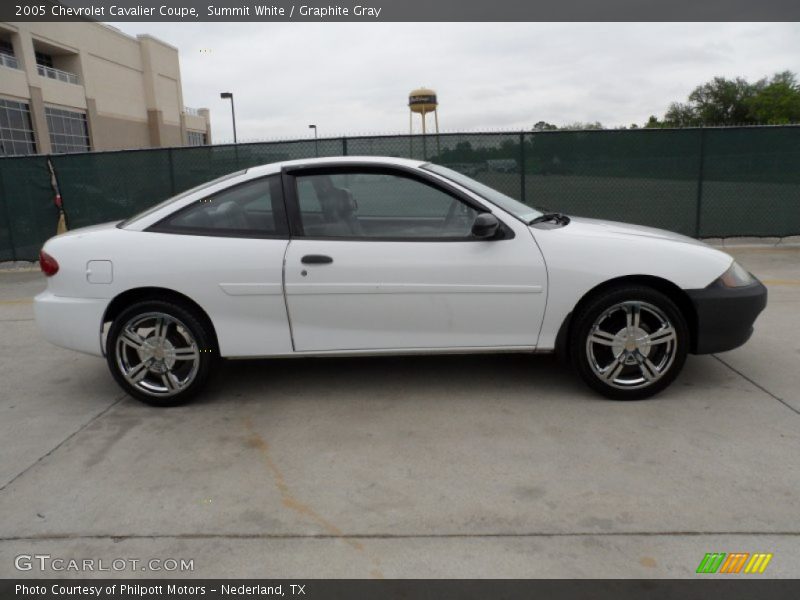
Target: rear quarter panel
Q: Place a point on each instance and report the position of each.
(236, 281)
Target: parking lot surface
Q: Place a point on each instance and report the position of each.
(454, 466)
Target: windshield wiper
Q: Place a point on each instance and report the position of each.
(553, 216)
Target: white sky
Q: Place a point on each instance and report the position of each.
(354, 78)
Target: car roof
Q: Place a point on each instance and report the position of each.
(143, 220)
(275, 167)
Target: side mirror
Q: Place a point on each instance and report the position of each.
(485, 225)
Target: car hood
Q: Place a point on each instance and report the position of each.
(588, 252)
(603, 228)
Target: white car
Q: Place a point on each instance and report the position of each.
(365, 256)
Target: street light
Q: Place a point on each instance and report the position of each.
(316, 143)
(225, 95)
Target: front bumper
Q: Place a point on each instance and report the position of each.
(725, 315)
(73, 323)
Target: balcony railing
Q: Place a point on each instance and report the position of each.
(194, 112)
(57, 74)
(9, 61)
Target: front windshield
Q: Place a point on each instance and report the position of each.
(161, 205)
(522, 211)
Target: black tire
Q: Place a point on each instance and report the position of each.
(182, 374)
(630, 352)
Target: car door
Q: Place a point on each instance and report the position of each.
(383, 259)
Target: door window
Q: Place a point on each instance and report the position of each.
(380, 205)
(252, 209)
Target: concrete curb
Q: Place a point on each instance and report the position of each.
(18, 266)
(790, 241)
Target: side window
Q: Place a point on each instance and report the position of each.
(379, 205)
(252, 209)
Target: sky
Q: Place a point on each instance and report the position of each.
(354, 78)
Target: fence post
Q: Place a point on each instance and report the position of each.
(344, 146)
(700, 169)
(171, 172)
(522, 166)
(7, 216)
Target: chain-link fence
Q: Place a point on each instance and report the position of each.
(710, 182)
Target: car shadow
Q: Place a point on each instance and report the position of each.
(481, 376)
(394, 376)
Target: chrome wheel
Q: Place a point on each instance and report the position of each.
(157, 354)
(631, 345)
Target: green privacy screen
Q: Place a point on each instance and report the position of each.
(27, 214)
(710, 182)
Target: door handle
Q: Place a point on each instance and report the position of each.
(316, 259)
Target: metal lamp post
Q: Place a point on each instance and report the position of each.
(316, 143)
(229, 95)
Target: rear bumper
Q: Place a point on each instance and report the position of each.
(73, 323)
(725, 315)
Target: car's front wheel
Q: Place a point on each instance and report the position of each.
(629, 342)
(160, 352)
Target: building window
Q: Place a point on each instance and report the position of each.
(44, 60)
(196, 138)
(16, 129)
(68, 130)
(45, 68)
(7, 58)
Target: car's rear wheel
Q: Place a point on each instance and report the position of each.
(629, 342)
(160, 352)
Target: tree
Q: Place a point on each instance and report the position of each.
(681, 115)
(580, 125)
(724, 101)
(544, 126)
(654, 123)
(777, 101)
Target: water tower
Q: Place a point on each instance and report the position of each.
(423, 102)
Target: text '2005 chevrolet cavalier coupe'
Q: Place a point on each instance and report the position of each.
(365, 256)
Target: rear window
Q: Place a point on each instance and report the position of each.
(250, 209)
(188, 192)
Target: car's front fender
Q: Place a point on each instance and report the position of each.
(583, 256)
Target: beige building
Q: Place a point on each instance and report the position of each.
(73, 87)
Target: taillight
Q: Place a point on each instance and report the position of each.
(48, 264)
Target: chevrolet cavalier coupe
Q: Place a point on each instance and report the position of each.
(365, 256)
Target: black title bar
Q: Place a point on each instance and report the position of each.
(192, 11)
(708, 588)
